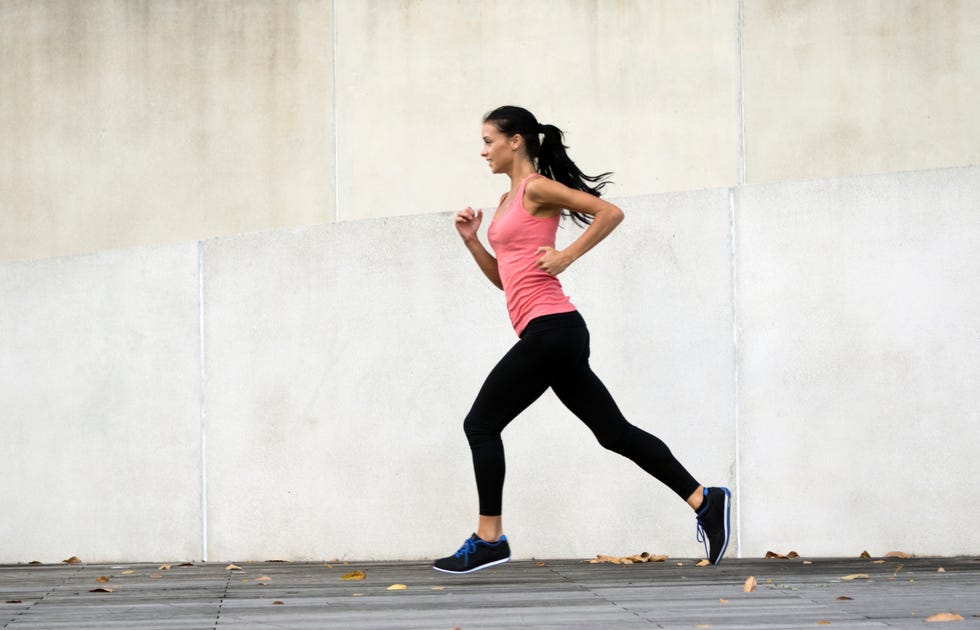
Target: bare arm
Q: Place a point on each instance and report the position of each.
(467, 224)
(544, 196)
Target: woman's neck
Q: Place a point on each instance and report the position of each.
(519, 173)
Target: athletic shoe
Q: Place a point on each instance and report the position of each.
(714, 522)
(475, 554)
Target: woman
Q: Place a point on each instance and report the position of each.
(553, 346)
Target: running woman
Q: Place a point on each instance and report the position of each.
(553, 346)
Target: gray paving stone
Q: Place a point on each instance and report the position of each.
(559, 594)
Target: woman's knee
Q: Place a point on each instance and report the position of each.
(478, 428)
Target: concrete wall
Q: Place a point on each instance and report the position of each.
(129, 122)
(298, 394)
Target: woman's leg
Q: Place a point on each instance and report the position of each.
(514, 383)
(584, 394)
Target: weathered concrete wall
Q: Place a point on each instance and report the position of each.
(150, 121)
(140, 122)
(100, 403)
(811, 344)
(858, 312)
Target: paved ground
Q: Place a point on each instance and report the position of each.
(897, 593)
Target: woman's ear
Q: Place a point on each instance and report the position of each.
(516, 141)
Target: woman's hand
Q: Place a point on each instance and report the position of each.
(468, 222)
(553, 262)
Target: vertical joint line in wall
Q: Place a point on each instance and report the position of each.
(202, 403)
(333, 113)
(741, 97)
(735, 384)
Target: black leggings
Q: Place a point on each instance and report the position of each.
(553, 351)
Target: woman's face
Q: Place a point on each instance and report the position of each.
(498, 150)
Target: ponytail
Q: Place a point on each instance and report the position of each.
(546, 148)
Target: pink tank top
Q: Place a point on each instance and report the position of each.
(515, 237)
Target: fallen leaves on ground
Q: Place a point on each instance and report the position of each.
(14, 601)
(865, 555)
(635, 559)
(703, 563)
(102, 589)
(353, 576)
(277, 603)
(898, 554)
(397, 587)
(946, 616)
(845, 598)
(233, 567)
(127, 572)
(778, 556)
(940, 570)
(856, 576)
(750, 584)
(163, 567)
(102, 579)
(539, 564)
(72, 560)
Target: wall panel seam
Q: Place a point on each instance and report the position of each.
(202, 402)
(735, 375)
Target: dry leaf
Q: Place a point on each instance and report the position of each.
(940, 570)
(353, 576)
(856, 576)
(277, 603)
(14, 601)
(438, 588)
(823, 622)
(634, 559)
(102, 579)
(878, 562)
(186, 564)
(127, 572)
(900, 567)
(722, 601)
(102, 589)
(539, 564)
(703, 563)
(154, 576)
(233, 567)
(779, 556)
(164, 567)
(397, 587)
(703, 625)
(35, 562)
(263, 578)
(750, 584)
(865, 555)
(845, 598)
(946, 616)
(72, 560)
(898, 554)
(329, 566)
(357, 594)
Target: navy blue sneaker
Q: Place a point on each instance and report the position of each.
(715, 523)
(475, 554)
